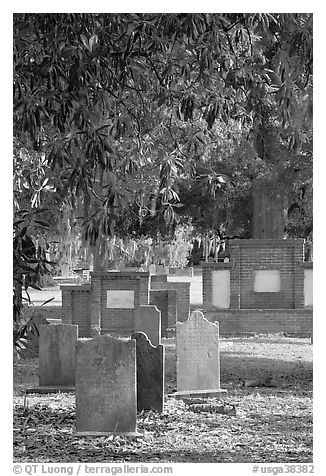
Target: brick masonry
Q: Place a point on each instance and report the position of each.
(159, 298)
(261, 312)
(166, 301)
(262, 321)
(249, 256)
(116, 321)
(86, 305)
(161, 282)
(76, 307)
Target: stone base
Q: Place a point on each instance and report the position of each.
(51, 389)
(208, 393)
(95, 434)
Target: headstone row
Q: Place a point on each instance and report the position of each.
(115, 378)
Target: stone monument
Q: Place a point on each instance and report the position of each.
(150, 374)
(198, 360)
(106, 386)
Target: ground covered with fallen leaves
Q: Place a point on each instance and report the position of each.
(271, 424)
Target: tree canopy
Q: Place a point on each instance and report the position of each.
(124, 115)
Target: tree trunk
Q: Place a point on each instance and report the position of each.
(269, 213)
(99, 254)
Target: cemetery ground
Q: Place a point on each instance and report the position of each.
(271, 424)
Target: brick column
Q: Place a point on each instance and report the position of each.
(183, 300)
(172, 308)
(298, 257)
(66, 305)
(235, 277)
(144, 281)
(207, 286)
(95, 305)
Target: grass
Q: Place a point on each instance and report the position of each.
(272, 424)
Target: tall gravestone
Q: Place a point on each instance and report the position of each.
(57, 358)
(148, 320)
(106, 386)
(150, 374)
(198, 360)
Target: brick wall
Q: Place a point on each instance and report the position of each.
(76, 307)
(117, 321)
(249, 256)
(161, 282)
(236, 322)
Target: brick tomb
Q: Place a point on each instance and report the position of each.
(265, 287)
(108, 305)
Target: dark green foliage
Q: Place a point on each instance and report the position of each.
(123, 108)
(30, 265)
(101, 91)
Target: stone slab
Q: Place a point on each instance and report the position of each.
(116, 299)
(200, 393)
(61, 389)
(150, 374)
(148, 320)
(198, 360)
(96, 434)
(57, 357)
(105, 386)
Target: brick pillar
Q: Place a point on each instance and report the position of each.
(66, 305)
(183, 300)
(235, 277)
(298, 257)
(95, 305)
(144, 290)
(172, 308)
(207, 286)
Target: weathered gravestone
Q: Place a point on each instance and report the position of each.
(150, 374)
(57, 358)
(198, 360)
(106, 386)
(148, 320)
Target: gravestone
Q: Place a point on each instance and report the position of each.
(198, 360)
(148, 320)
(57, 358)
(105, 386)
(150, 374)
(159, 298)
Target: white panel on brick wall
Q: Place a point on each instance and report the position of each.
(120, 299)
(308, 294)
(267, 281)
(221, 289)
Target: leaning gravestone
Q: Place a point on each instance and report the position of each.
(148, 320)
(198, 360)
(105, 386)
(57, 359)
(150, 374)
